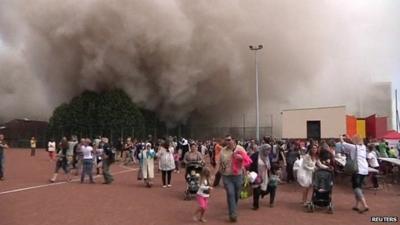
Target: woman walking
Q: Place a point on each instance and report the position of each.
(166, 163)
(306, 171)
(192, 156)
(146, 159)
(260, 165)
(358, 152)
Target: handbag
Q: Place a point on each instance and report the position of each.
(351, 166)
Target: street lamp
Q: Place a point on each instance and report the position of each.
(255, 49)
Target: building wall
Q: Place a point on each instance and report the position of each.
(333, 121)
(351, 125)
(361, 128)
(381, 126)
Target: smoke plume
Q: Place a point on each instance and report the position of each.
(183, 58)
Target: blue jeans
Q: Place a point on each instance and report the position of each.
(233, 186)
(87, 169)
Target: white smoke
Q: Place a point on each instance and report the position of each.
(182, 57)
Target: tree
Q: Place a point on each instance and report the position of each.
(90, 114)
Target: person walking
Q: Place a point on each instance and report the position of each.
(51, 147)
(33, 146)
(146, 160)
(292, 155)
(3, 145)
(166, 163)
(70, 152)
(192, 156)
(358, 152)
(372, 157)
(62, 161)
(128, 148)
(261, 165)
(79, 155)
(108, 159)
(306, 171)
(217, 156)
(87, 152)
(233, 161)
(202, 196)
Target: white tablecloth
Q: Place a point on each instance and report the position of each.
(391, 160)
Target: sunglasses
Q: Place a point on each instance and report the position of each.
(228, 139)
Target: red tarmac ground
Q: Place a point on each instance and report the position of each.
(127, 201)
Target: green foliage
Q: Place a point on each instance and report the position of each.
(110, 113)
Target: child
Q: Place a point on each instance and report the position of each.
(272, 185)
(202, 195)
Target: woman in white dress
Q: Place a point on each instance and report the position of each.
(146, 157)
(306, 171)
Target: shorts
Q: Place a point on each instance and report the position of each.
(203, 202)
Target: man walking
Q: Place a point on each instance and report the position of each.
(233, 160)
(108, 159)
(33, 146)
(3, 146)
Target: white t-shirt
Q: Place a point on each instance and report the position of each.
(71, 145)
(87, 152)
(361, 156)
(204, 189)
(51, 146)
(373, 159)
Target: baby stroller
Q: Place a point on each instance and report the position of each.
(192, 178)
(322, 190)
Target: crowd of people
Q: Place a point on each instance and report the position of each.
(262, 165)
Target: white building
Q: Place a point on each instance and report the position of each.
(327, 122)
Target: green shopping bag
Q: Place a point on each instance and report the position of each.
(246, 191)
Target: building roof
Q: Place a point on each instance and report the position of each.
(326, 107)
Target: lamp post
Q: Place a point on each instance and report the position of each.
(255, 49)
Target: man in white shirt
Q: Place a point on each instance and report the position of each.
(372, 157)
(3, 146)
(70, 151)
(87, 152)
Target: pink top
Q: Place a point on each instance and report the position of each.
(240, 160)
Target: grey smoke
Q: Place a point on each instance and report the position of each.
(184, 58)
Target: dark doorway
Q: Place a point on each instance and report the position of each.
(314, 129)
